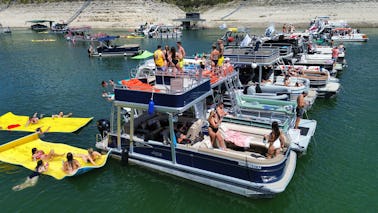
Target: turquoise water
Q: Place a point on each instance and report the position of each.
(338, 174)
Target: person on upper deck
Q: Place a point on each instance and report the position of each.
(214, 57)
(159, 58)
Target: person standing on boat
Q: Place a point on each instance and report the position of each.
(300, 108)
(214, 57)
(221, 52)
(181, 53)
(284, 29)
(159, 58)
(276, 140)
(174, 59)
(216, 138)
(335, 53)
(166, 52)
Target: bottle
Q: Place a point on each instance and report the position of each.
(151, 106)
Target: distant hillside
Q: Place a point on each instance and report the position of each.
(198, 4)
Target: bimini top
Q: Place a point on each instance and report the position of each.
(12, 122)
(18, 152)
(39, 21)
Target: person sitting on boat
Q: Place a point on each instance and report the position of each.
(38, 154)
(300, 108)
(159, 58)
(71, 165)
(216, 138)
(91, 157)
(276, 140)
(32, 179)
(180, 134)
(287, 80)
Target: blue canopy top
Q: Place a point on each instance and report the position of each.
(107, 38)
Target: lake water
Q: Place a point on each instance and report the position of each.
(338, 173)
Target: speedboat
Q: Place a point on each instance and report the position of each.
(106, 48)
(348, 34)
(162, 31)
(149, 140)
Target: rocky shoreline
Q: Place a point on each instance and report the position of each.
(130, 14)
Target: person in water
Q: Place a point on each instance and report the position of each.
(276, 140)
(71, 165)
(91, 157)
(38, 154)
(32, 179)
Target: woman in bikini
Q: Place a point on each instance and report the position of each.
(91, 157)
(71, 165)
(174, 59)
(38, 154)
(276, 140)
(215, 135)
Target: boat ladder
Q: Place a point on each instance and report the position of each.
(231, 84)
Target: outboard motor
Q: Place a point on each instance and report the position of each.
(103, 126)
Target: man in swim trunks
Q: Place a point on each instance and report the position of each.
(300, 108)
(214, 56)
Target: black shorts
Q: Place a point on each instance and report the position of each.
(300, 112)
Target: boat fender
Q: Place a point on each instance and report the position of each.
(245, 91)
(151, 106)
(258, 88)
(124, 157)
(124, 54)
(100, 54)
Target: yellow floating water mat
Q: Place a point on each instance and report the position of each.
(12, 122)
(18, 152)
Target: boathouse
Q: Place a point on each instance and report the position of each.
(191, 21)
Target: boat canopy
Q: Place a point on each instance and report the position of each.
(40, 21)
